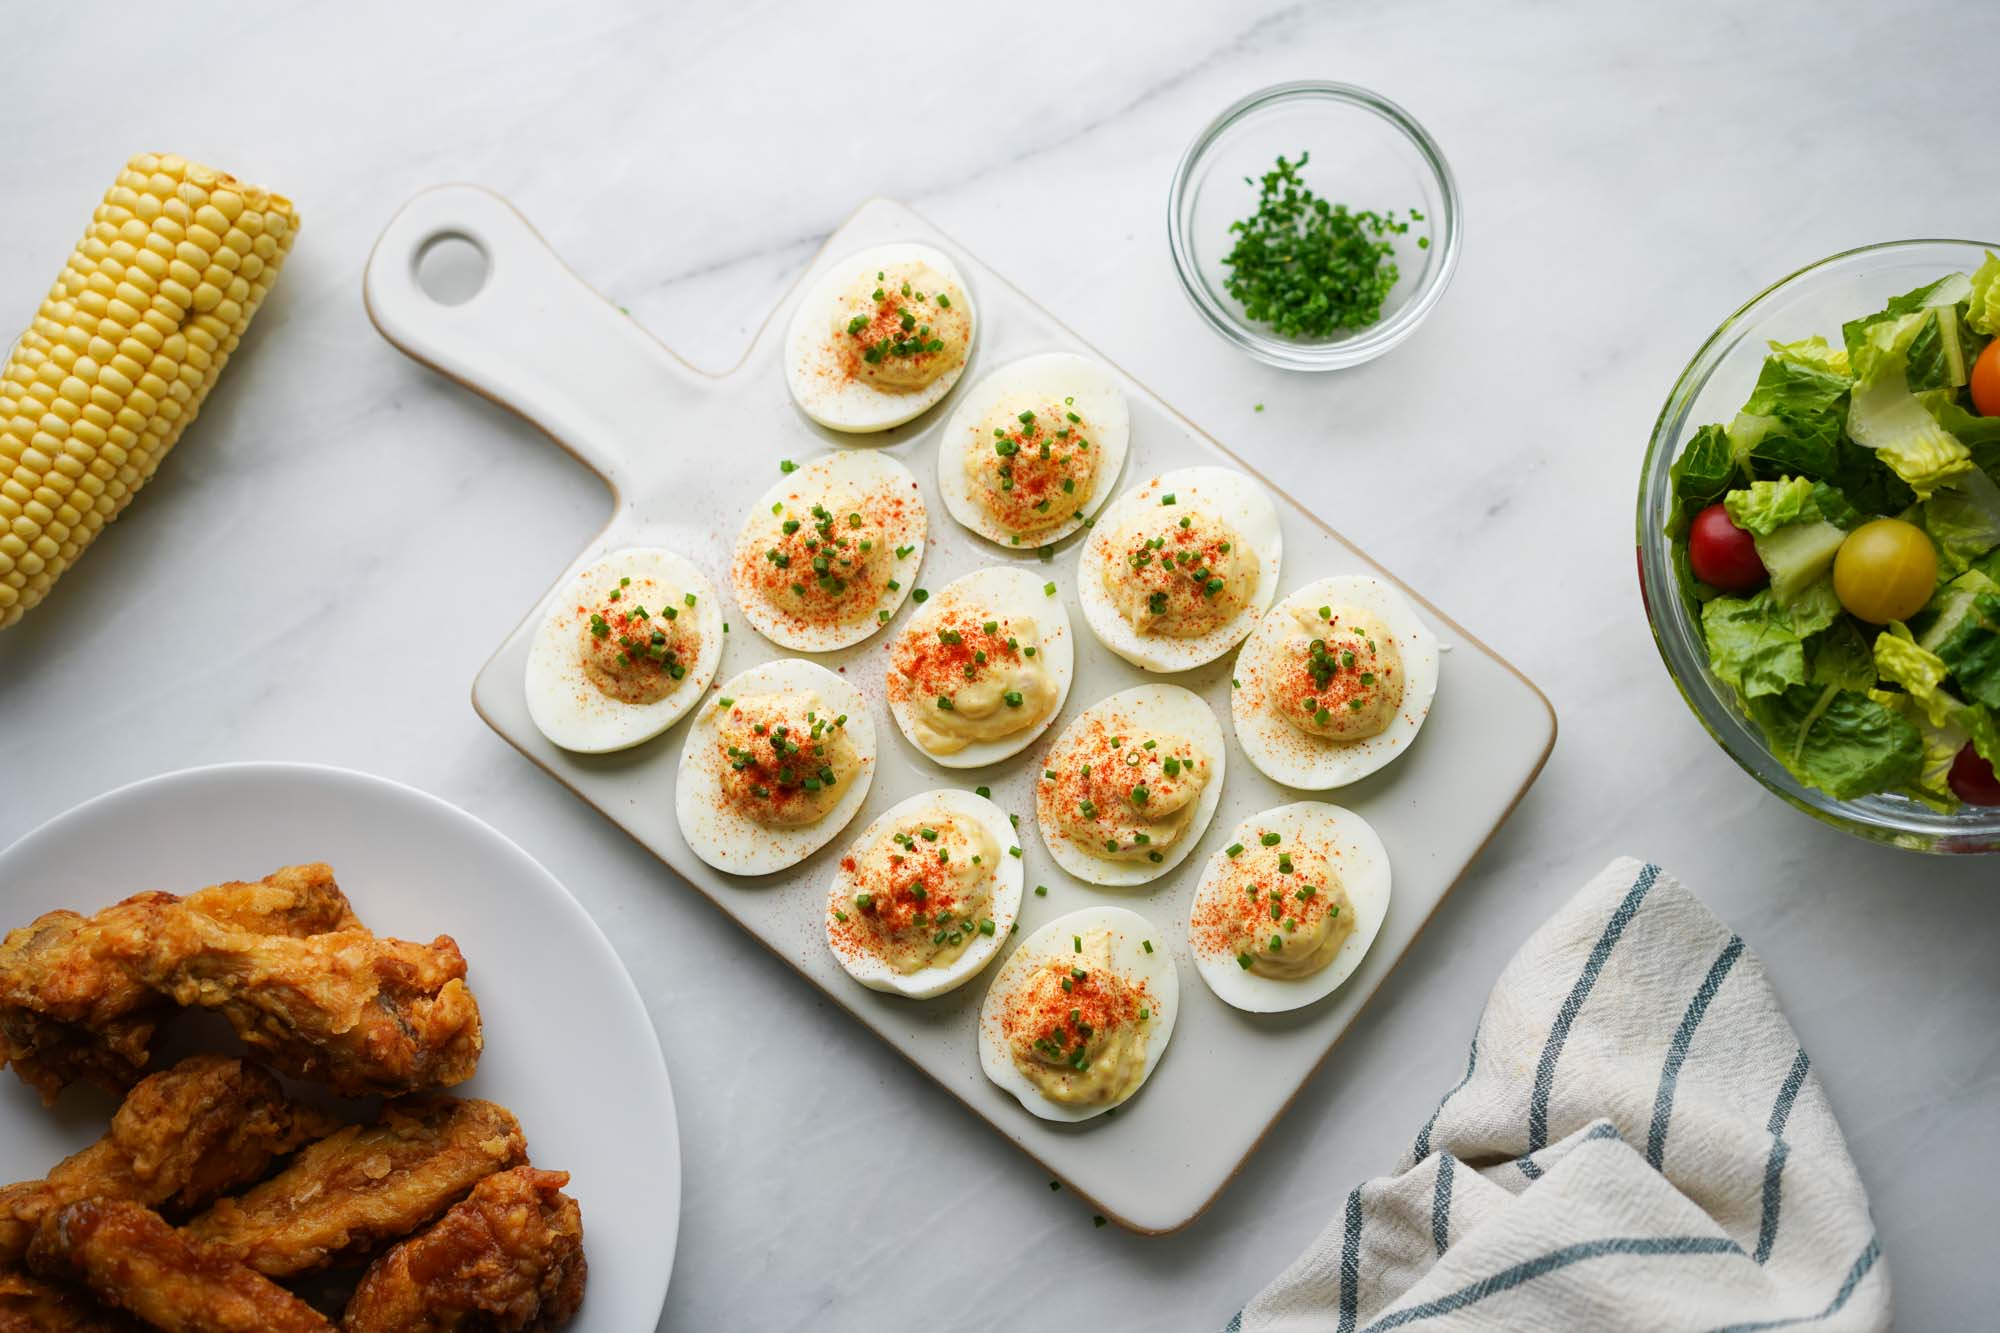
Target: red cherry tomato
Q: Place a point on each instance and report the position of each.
(1973, 778)
(1985, 384)
(1721, 554)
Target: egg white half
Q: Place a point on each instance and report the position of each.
(1005, 593)
(812, 366)
(733, 842)
(1229, 495)
(869, 969)
(1283, 753)
(1129, 934)
(1052, 377)
(804, 487)
(570, 710)
(1353, 849)
(1168, 709)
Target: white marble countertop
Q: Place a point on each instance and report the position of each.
(1629, 178)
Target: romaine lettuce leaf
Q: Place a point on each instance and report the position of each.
(1793, 419)
(1839, 657)
(1763, 507)
(1703, 473)
(1841, 741)
(1972, 650)
(1797, 556)
(1984, 728)
(1899, 660)
(1983, 304)
(1834, 507)
(1950, 604)
(1979, 434)
(1814, 610)
(1942, 740)
(1885, 416)
(1963, 519)
(1868, 483)
(1751, 646)
(1816, 353)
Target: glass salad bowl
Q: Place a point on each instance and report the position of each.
(1814, 300)
(1366, 152)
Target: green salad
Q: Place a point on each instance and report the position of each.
(1839, 542)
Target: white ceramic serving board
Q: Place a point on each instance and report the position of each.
(686, 453)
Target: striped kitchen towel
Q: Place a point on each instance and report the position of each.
(1638, 1143)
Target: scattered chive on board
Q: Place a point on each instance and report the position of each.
(1309, 268)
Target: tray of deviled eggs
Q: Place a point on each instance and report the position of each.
(1024, 720)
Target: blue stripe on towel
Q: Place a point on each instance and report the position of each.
(1606, 1130)
(1350, 1264)
(1862, 1263)
(1545, 1072)
(1677, 1049)
(1441, 1203)
(1509, 1278)
(1774, 1168)
(1423, 1145)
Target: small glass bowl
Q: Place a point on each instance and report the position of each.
(1367, 153)
(1816, 299)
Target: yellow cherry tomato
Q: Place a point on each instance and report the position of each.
(1885, 570)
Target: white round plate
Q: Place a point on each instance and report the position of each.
(569, 1046)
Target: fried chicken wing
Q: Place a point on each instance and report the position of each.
(181, 1139)
(360, 1014)
(508, 1259)
(74, 1005)
(30, 1305)
(71, 1006)
(130, 1258)
(352, 1192)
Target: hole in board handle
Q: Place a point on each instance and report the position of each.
(451, 268)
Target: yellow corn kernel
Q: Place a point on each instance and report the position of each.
(132, 336)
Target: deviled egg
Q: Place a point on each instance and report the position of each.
(925, 896)
(1333, 683)
(828, 553)
(1285, 911)
(982, 668)
(627, 647)
(880, 337)
(1078, 1017)
(1129, 787)
(1034, 449)
(1178, 570)
(775, 765)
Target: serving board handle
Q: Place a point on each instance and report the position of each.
(533, 337)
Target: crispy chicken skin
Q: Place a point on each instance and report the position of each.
(73, 1003)
(508, 1259)
(130, 1258)
(182, 1139)
(71, 1007)
(30, 1305)
(360, 1014)
(356, 1190)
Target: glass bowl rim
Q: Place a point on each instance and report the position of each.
(1447, 230)
(1900, 822)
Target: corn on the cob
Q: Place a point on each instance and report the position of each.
(133, 335)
